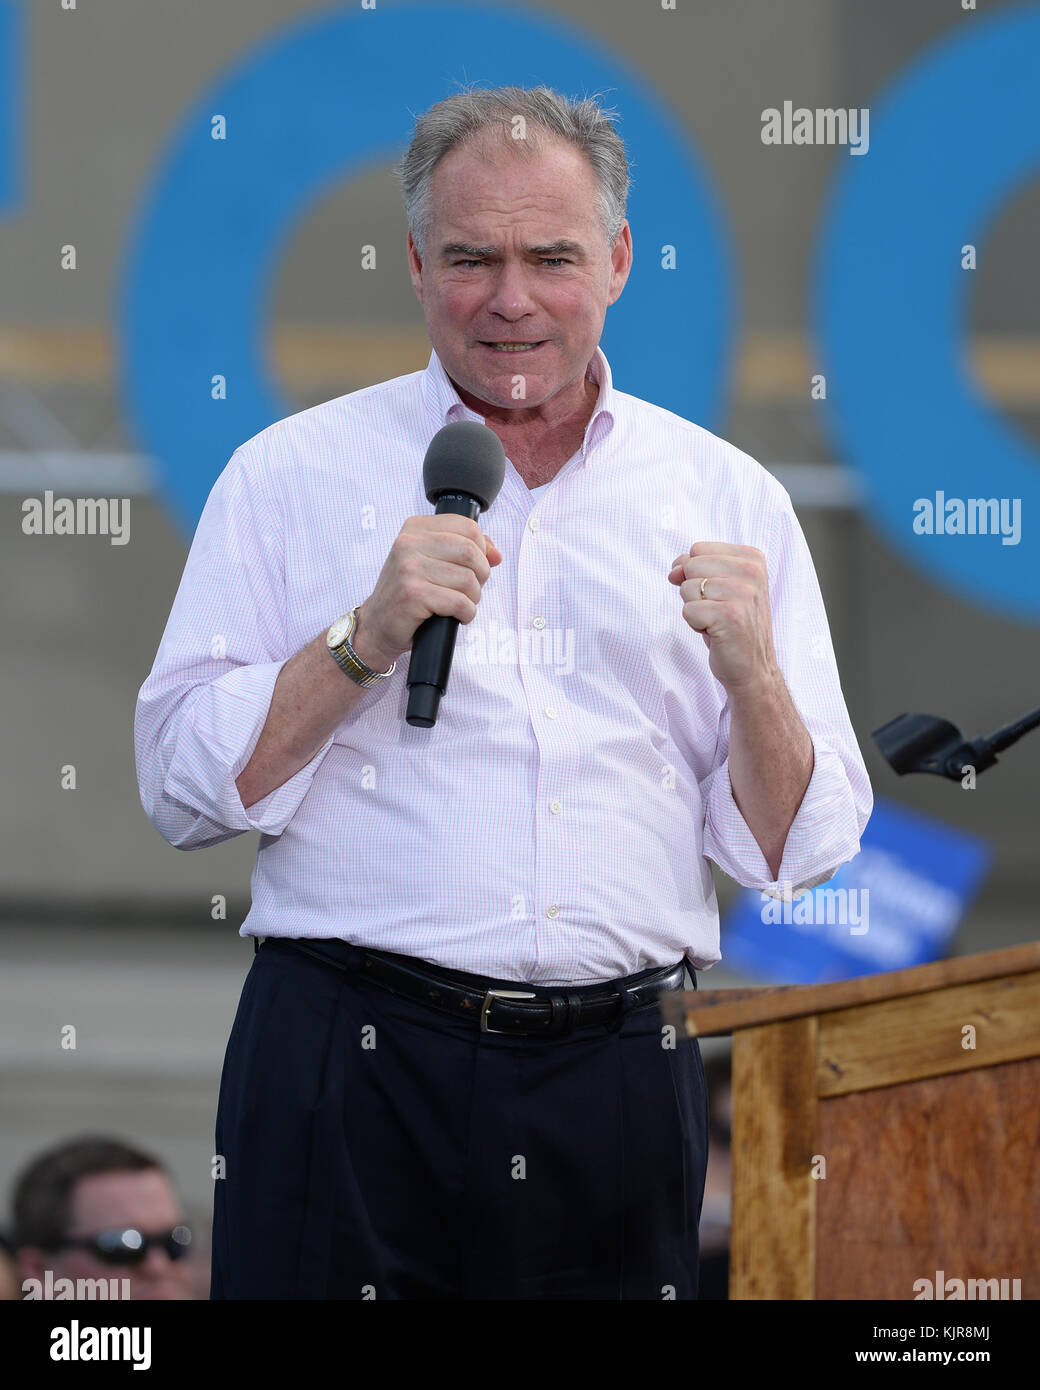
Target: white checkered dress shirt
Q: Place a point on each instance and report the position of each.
(555, 826)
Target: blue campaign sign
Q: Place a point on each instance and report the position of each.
(12, 142)
(897, 904)
(951, 143)
(325, 100)
(329, 97)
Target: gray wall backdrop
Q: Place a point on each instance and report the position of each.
(83, 618)
(86, 881)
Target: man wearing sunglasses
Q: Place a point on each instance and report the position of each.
(96, 1209)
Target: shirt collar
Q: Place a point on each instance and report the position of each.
(444, 405)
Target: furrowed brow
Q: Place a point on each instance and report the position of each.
(561, 247)
(558, 248)
(462, 248)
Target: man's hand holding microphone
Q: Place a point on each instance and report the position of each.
(438, 565)
(431, 581)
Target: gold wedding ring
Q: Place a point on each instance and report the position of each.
(703, 582)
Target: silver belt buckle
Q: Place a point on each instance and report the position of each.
(499, 994)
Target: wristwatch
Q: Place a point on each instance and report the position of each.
(338, 640)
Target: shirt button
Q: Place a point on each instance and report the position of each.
(549, 712)
(533, 524)
(552, 910)
(539, 623)
(556, 807)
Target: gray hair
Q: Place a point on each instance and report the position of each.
(585, 124)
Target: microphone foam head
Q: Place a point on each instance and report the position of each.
(465, 457)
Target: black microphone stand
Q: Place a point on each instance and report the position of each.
(926, 743)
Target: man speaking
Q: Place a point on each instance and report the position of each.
(447, 1076)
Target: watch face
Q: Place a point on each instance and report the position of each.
(340, 630)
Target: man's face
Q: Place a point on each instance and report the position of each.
(516, 253)
(115, 1201)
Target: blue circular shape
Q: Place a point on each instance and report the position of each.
(950, 143)
(320, 103)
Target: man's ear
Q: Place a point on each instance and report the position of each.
(415, 268)
(620, 262)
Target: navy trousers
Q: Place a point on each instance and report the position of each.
(376, 1148)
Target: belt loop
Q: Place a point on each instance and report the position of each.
(627, 1003)
(574, 1011)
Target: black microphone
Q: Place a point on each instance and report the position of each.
(463, 473)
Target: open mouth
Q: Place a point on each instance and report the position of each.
(515, 346)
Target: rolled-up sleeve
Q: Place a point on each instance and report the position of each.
(834, 811)
(201, 711)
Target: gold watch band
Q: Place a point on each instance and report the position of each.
(351, 664)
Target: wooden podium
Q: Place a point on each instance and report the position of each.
(886, 1130)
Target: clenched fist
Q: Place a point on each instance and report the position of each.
(733, 615)
(437, 564)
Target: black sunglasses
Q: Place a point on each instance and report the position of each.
(130, 1246)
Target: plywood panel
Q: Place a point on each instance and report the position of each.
(924, 1035)
(774, 1122)
(706, 1012)
(934, 1175)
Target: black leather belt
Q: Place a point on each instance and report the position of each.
(497, 1006)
